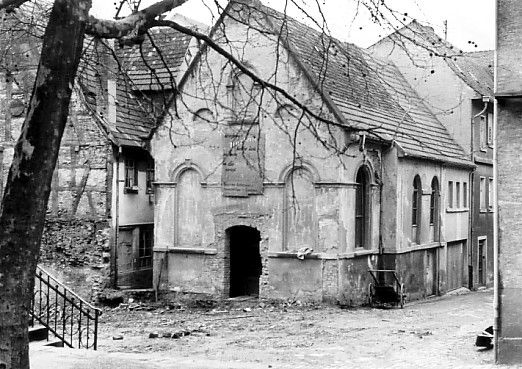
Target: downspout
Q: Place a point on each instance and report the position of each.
(117, 216)
(439, 229)
(472, 191)
(496, 272)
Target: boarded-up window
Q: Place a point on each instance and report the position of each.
(189, 206)
(299, 211)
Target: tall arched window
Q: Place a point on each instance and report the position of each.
(434, 209)
(300, 215)
(416, 208)
(362, 208)
(190, 204)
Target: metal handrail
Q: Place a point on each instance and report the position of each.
(69, 317)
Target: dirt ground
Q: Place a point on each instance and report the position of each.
(250, 334)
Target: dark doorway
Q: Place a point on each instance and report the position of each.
(245, 261)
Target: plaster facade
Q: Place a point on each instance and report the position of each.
(424, 60)
(195, 210)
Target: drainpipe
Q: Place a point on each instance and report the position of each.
(496, 273)
(471, 191)
(116, 216)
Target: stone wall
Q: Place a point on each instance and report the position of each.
(77, 252)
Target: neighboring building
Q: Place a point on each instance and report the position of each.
(244, 207)
(102, 193)
(457, 87)
(508, 92)
(126, 97)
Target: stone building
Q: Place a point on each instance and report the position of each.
(256, 196)
(457, 87)
(508, 92)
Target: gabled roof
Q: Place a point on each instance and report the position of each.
(368, 94)
(149, 69)
(146, 74)
(474, 69)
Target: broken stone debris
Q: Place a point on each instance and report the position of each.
(176, 335)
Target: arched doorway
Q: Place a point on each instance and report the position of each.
(245, 260)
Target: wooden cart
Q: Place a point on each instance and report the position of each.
(386, 288)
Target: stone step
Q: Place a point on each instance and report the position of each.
(38, 333)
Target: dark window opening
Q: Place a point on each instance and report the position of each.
(416, 209)
(434, 201)
(362, 205)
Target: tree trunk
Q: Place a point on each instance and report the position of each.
(28, 184)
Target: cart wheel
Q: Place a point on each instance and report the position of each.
(370, 294)
(402, 296)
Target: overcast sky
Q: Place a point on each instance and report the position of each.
(468, 20)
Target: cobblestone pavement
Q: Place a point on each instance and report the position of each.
(436, 333)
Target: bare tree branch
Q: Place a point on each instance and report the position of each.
(131, 26)
(10, 5)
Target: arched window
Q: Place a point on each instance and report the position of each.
(299, 210)
(244, 96)
(434, 209)
(416, 208)
(362, 208)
